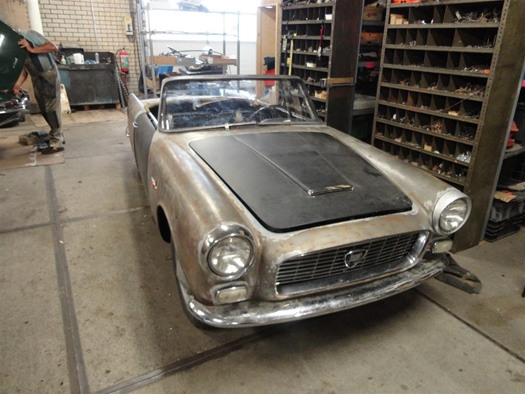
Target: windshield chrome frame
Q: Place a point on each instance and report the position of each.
(232, 78)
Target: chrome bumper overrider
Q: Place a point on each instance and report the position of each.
(251, 313)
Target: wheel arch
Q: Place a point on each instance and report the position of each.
(163, 224)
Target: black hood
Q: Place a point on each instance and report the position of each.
(296, 180)
(12, 57)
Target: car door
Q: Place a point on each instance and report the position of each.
(142, 128)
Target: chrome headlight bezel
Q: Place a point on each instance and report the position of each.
(447, 202)
(218, 237)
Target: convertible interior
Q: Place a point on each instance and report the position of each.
(217, 111)
(205, 104)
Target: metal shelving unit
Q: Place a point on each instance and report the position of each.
(450, 72)
(147, 34)
(319, 43)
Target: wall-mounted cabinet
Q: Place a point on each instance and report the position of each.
(449, 68)
(320, 43)
(369, 61)
(268, 33)
(268, 39)
(370, 44)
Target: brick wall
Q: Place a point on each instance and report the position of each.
(94, 25)
(98, 26)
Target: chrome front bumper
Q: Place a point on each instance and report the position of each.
(251, 313)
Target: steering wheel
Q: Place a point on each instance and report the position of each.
(270, 112)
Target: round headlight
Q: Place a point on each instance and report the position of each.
(451, 212)
(230, 256)
(453, 216)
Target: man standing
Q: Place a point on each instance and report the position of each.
(42, 68)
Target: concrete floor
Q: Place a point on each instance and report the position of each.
(89, 302)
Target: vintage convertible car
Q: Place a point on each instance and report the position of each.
(272, 215)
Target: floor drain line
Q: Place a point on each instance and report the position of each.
(75, 360)
(186, 363)
(472, 327)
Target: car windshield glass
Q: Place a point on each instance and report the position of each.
(224, 102)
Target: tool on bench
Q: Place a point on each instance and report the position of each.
(320, 48)
(289, 60)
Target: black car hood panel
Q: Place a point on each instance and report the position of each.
(295, 180)
(12, 57)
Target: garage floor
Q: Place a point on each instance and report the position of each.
(89, 302)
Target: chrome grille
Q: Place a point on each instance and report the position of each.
(366, 259)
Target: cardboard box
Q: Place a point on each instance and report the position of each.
(373, 13)
(149, 83)
(218, 59)
(397, 19)
(371, 38)
(28, 139)
(163, 59)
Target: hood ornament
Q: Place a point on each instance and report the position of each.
(330, 189)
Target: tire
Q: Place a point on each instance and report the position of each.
(9, 120)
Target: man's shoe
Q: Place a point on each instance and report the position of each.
(51, 149)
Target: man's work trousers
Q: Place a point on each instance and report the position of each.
(46, 85)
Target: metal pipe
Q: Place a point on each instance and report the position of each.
(142, 48)
(224, 34)
(152, 59)
(238, 43)
(94, 22)
(35, 19)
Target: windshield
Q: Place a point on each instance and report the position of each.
(224, 102)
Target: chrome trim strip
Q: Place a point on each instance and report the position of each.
(258, 313)
(330, 189)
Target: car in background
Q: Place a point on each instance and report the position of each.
(273, 216)
(12, 59)
(192, 5)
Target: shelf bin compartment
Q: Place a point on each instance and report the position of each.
(477, 63)
(396, 76)
(413, 99)
(435, 59)
(415, 79)
(421, 37)
(411, 38)
(469, 13)
(440, 37)
(466, 131)
(438, 103)
(391, 37)
(466, 38)
(413, 58)
(401, 36)
(421, 15)
(385, 94)
(430, 81)
(422, 121)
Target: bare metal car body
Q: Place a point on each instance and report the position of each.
(250, 178)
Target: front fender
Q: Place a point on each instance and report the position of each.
(195, 202)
